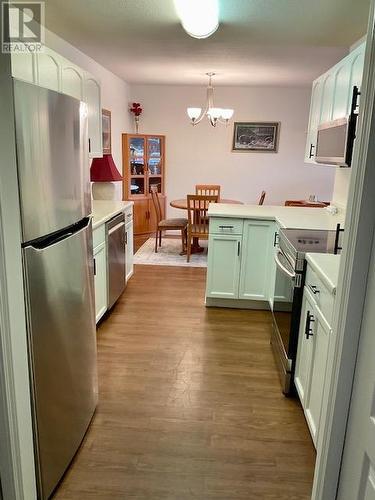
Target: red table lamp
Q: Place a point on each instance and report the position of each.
(103, 173)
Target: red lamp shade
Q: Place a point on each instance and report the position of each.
(104, 170)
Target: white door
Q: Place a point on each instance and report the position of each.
(357, 478)
(100, 280)
(93, 96)
(256, 260)
(314, 120)
(224, 253)
(314, 400)
(306, 345)
(129, 250)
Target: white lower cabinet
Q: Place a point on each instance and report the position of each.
(312, 352)
(101, 261)
(257, 253)
(100, 279)
(129, 249)
(314, 401)
(240, 253)
(223, 271)
(306, 345)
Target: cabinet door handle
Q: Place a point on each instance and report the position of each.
(308, 330)
(94, 266)
(126, 237)
(89, 145)
(276, 239)
(314, 289)
(311, 154)
(238, 248)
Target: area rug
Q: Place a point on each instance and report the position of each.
(169, 254)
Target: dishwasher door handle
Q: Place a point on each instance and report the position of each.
(115, 228)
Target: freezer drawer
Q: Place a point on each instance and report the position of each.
(52, 160)
(62, 347)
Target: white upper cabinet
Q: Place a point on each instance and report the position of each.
(331, 95)
(314, 120)
(342, 92)
(51, 70)
(92, 98)
(48, 70)
(328, 95)
(72, 81)
(23, 67)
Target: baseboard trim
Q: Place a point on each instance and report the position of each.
(238, 304)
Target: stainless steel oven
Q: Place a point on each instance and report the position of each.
(287, 298)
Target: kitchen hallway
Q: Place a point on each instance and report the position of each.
(190, 405)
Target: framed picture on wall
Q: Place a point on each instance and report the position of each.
(256, 136)
(106, 131)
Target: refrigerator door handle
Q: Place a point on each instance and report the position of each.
(52, 239)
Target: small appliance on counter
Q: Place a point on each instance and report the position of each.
(293, 244)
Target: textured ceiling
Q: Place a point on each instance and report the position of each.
(273, 42)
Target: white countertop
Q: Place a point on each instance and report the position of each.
(327, 267)
(287, 217)
(103, 210)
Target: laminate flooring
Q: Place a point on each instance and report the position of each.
(190, 405)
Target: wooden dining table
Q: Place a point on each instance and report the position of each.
(182, 204)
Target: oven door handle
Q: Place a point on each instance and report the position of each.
(286, 271)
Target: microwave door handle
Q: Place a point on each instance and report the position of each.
(286, 271)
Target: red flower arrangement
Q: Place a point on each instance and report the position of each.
(136, 110)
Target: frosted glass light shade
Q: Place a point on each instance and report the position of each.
(215, 112)
(193, 113)
(199, 18)
(227, 114)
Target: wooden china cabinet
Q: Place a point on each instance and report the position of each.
(143, 159)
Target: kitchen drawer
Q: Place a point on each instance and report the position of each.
(225, 225)
(323, 297)
(98, 235)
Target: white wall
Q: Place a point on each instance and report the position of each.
(341, 187)
(202, 154)
(115, 93)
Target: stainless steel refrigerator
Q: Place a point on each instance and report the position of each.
(54, 187)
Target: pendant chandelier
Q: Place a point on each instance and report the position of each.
(213, 114)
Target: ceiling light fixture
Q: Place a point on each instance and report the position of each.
(214, 114)
(199, 18)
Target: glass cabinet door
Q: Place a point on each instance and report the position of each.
(137, 165)
(154, 155)
(137, 155)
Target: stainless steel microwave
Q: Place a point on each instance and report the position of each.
(335, 141)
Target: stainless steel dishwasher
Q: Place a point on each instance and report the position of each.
(116, 272)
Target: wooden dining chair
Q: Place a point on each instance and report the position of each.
(261, 199)
(167, 224)
(197, 218)
(208, 190)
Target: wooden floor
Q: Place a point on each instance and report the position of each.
(190, 403)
